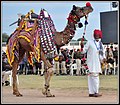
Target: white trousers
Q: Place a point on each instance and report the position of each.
(78, 62)
(56, 67)
(42, 67)
(93, 84)
(5, 75)
(63, 67)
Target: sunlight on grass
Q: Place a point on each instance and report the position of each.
(67, 82)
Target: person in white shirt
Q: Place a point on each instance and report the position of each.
(6, 70)
(95, 55)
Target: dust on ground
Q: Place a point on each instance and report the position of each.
(65, 96)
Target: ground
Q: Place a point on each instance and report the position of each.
(76, 96)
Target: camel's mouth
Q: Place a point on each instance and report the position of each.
(80, 12)
(88, 10)
(84, 11)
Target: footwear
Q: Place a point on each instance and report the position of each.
(91, 95)
(97, 95)
(41, 74)
(7, 83)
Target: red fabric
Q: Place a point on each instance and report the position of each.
(98, 32)
(83, 59)
(88, 4)
(100, 35)
(71, 18)
(86, 67)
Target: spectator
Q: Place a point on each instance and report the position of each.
(78, 62)
(115, 55)
(110, 56)
(35, 67)
(56, 65)
(107, 53)
(22, 65)
(62, 60)
(6, 70)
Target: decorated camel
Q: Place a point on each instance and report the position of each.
(36, 35)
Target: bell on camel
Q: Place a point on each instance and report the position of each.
(86, 22)
(50, 44)
(80, 25)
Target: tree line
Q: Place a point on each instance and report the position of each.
(5, 36)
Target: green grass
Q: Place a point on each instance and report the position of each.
(67, 82)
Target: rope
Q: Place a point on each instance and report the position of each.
(85, 25)
(82, 45)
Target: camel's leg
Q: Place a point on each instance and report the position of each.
(14, 72)
(47, 75)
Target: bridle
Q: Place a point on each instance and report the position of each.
(74, 18)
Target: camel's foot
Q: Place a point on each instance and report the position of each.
(44, 91)
(47, 93)
(17, 94)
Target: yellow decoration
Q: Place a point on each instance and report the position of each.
(31, 10)
(27, 15)
(12, 59)
(25, 26)
(24, 38)
(56, 58)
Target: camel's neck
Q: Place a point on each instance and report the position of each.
(64, 37)
(70, 29)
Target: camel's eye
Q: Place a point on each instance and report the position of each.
(81, 9)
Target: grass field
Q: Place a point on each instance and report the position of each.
(108, 82)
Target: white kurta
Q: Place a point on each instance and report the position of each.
(93, 60)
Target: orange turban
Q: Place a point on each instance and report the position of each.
(98, 32)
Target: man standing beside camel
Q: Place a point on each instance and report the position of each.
(95, 54)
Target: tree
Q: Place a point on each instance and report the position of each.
(81, 39)
(4, 37)
(84, 41)
(73, 40)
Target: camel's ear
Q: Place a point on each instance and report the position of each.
(74, 7)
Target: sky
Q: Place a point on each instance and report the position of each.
(58, 10)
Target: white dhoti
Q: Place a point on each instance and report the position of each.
(93, 83)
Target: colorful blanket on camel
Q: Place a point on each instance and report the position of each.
(43, 36)
(13, 46)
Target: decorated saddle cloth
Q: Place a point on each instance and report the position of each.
(43, 37)
(46, 36)
(13, 46)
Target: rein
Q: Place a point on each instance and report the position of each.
(82, 45)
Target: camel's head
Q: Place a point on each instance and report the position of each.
(80, 12)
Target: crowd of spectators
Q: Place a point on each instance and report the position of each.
(63, 65)
(112, 59)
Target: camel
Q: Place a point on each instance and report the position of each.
(24, 45)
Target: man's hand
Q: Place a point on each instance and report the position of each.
(82, 45)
